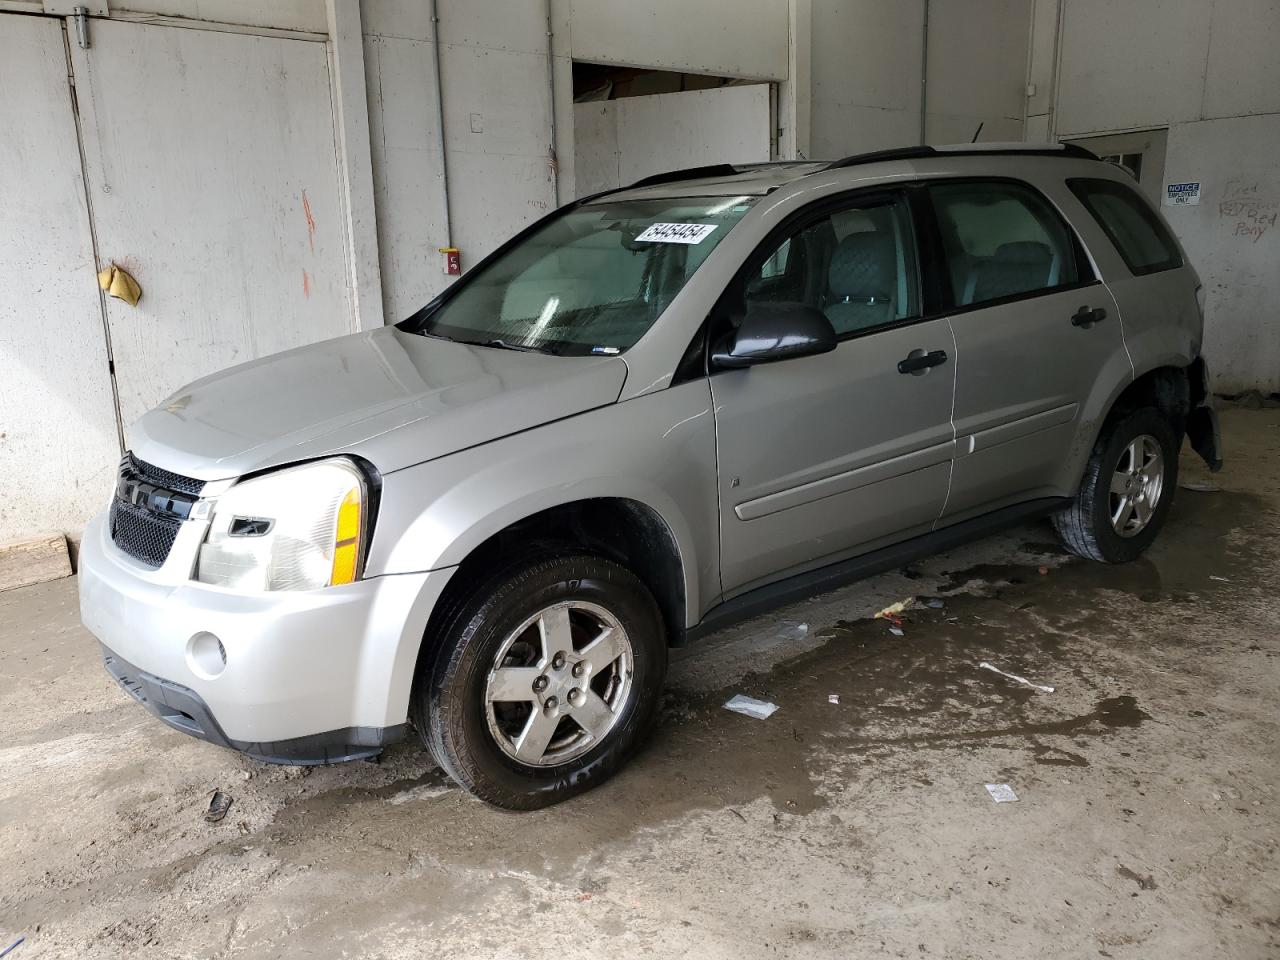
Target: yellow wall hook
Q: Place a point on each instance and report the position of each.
(120, 285)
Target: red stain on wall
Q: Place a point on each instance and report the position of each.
(306, 284)
(311, 221)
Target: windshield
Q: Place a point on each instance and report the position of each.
(592, 281)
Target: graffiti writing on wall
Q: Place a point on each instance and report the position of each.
(1251, 212)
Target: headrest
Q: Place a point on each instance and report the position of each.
(1023, 251)
(863, 265)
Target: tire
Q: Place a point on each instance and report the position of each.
(1089, 527)
(479, 743)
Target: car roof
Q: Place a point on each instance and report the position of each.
(718, 180)
(758, 179)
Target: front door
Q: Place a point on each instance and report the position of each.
(831, 455)
(1037, 337)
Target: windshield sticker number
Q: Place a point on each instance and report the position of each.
(677, 232)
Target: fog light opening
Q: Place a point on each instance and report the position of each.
(206, 656)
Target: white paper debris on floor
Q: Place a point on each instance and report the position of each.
(894, 609)
(984, 665)
(897, 631)
(1002, 793)
(427, 791)
(1214, 576)
(751, 707)
(833, 698)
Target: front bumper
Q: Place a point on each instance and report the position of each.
(183, 709)
(308, 677)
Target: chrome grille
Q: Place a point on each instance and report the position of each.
(164, 478)
(149, 507)
(143, 535)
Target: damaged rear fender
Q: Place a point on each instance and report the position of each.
(1202, 419)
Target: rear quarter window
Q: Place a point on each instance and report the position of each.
(1134, 229)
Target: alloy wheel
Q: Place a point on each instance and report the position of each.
(559, 683)
(1136, 486)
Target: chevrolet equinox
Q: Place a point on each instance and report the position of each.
(655, 411)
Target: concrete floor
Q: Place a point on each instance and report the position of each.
(1146, 826)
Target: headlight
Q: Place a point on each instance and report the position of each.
(295, 529)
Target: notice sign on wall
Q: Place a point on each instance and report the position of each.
(1181, 194)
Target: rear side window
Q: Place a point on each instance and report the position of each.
(1002, 240)
(1133, 227)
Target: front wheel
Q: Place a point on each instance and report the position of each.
(545, 682)
(1126, 491)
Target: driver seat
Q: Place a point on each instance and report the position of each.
(860, 278)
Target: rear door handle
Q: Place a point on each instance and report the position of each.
(918, 362)
(1085, 317)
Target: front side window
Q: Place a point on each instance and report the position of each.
(1131, 226)
(592, 281)
(857, 265)
(1001, 240)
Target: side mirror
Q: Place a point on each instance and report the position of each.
(775, 331)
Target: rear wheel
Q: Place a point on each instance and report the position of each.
(1126, 491)
(545, 682)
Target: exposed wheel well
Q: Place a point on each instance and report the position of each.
(625, 531)
(1168, 389)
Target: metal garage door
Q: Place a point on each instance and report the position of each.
(58, 441)
(620, 141)
(213, 176)
(210, 172)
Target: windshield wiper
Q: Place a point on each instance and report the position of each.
(503, 345)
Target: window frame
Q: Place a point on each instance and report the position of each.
(1078, 187)
(939, 267)
(732, 299)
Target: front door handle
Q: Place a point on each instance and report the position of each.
(1084, 317)
(918, 362)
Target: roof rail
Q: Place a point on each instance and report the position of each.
(690, 173)
(922, 152)
(1075, 150)
(879, 156)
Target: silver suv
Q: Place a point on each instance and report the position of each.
(657, 410)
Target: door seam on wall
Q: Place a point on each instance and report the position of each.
(93, 233)
(344, 196)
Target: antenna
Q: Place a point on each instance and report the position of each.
(978, 131)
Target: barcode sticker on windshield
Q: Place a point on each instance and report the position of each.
(677, 232)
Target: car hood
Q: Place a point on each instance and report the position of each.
(392, 397)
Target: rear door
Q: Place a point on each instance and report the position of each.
(1038, 342)
(828, 456)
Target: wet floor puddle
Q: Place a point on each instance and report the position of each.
(919, 692)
